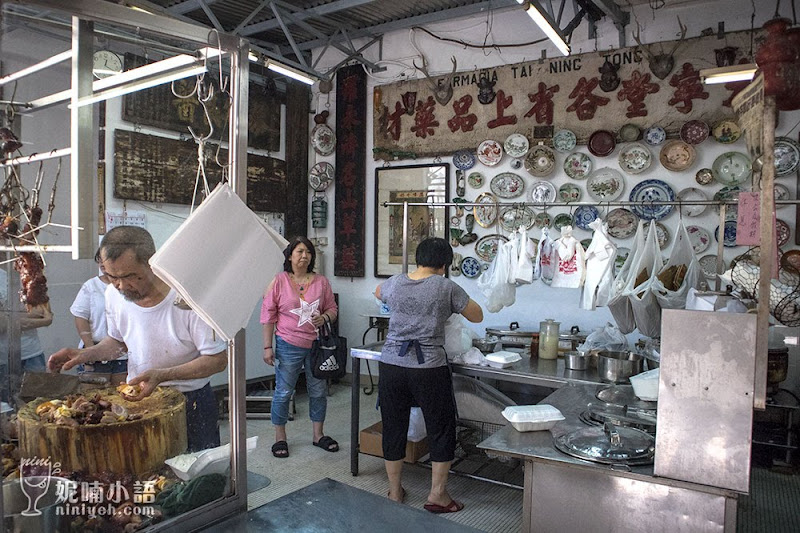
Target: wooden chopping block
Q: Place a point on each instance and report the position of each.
(137, 447)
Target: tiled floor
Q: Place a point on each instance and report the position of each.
(772, 505)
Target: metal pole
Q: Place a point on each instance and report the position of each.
(405, 237)
(82, 141)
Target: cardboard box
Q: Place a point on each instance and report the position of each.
(371, 442)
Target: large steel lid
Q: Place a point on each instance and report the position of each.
(512, 330)
(608, 444)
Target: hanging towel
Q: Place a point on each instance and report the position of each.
(600, 257)
(570, 261)
(220, 260)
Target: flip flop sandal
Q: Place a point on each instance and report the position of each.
(453, 507)
(280, 449)
(402, 495)
(327, 444)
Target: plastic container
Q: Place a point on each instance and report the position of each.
(548, 339)
(212, 461)
(502, 359)
(645, 385)
(532, 417)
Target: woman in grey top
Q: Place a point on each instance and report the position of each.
(413, 367)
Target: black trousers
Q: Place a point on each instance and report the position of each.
(431, 389)
(202, 419)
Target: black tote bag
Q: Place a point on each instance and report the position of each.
(328, 354)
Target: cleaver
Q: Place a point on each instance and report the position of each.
(47, 385)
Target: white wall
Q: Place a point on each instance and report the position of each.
(535, 302)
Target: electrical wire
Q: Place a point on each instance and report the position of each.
(471, 45)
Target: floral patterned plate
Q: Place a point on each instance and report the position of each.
(605, 184)
(486, 216)
(516, 145)
(677, 156)
(783, 231)
(708, 263)
(490, 152)
(621, 223)
(507, 185)
(564, 141)
(699, 238)
(726, 132)
(486, 247)
(512, 217)
(655, 135)
(692, 194)
(540, 161)
(694, 132)
(704, 176)
(787, 156)
(561, 220)
(569, 192)
(662, 235)
(470, 267)
(728, 193)
(647, 193)
(464, 159)
(729, 235)
(542, 192)
(731, 168)
(635, 158)
(543, 220)
(584, 215)
(578, 166)
(781, 193)
(323, 140)
(475, 180)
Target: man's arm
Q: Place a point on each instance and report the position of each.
(84, 329)
(105, 350)
(202, 367)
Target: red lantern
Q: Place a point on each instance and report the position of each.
(777, 59)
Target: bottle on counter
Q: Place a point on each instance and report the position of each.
(548, 339)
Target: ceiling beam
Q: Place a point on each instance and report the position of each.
(314, 12)
(620, 17)
(420, 20)
(188, 6)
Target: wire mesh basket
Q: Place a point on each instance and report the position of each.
(784, 291)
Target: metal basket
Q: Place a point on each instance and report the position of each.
(784, 291)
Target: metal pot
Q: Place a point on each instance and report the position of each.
(617, 367)
(576, 361)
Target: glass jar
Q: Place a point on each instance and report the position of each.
(548, 339)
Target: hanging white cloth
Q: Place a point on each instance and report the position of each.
(523, 273)
(512, 248)
(545, 258)
(225, 242)
(600, 258)
(570, 261)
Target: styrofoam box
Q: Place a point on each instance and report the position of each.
(532, 417)
(645, 385)
(502, 359)
(212, 461)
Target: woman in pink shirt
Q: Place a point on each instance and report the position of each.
(296, 303)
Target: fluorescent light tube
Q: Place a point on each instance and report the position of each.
(143, 84)
(287, 71)
(728, 74)
(548, 28)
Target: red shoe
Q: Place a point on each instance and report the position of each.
(452, 507)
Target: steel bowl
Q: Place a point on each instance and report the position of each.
(576, 361)
(651, 363)
(617, 367)
(485, 345)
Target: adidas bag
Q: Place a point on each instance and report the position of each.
(328, 354)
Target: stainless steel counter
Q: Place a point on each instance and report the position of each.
(563, 493)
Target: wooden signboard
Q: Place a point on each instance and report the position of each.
(149, 168)
(160, 108)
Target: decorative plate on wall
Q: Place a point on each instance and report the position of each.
(490, 152)
(323, 140)
(486, 247)
(729, 234)
(320, 176)
(578, 166)
(464, 159)
(647, 193)
(709, 265)
(726, 194)
(584, 215)
(621, 223)
(516, 145)
(655, 135)
(601, 143)
(726, 132)
(787, 156)
(564, 141)
(543, 220)
(486, 216)
(694, 132)
(542, 192)
(677, 156)
(507, 185)
(732, 168)
(561, 220)
(692, 194)
(605, 184)
(622, 256)
(699, 238)
(635, 158)
(475, 180)
(470, 267)
(512, 217)
(781, 193)
(662, 235)
(630, 133)
(783, 232)
(569, 192)
(704, 176)
(540, 161)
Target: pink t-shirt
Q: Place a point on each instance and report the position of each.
(283, 307)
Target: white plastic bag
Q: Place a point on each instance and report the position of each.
(682, 254)
(416, 425)
(606, 338)
(645, 306)
(523, 272)
(545, 258)
(570, 260)
(494, 282)
(600, 258)
(457, 337)
(618, 304)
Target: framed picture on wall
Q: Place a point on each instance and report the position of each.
(413, 184)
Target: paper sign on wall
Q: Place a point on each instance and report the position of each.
(748, 231)
(125, 218)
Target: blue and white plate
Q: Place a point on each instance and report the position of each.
(470, 267)
(729, 238)
(655, 135)
(584, 215)
(464, 159)
(647, 193)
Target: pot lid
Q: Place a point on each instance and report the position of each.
(623, 395)
(623, 415)
(512, 329)
(608, 444)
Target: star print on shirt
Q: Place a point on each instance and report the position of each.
(305, 311)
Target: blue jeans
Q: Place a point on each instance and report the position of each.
(34, 364)
(289, 360)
